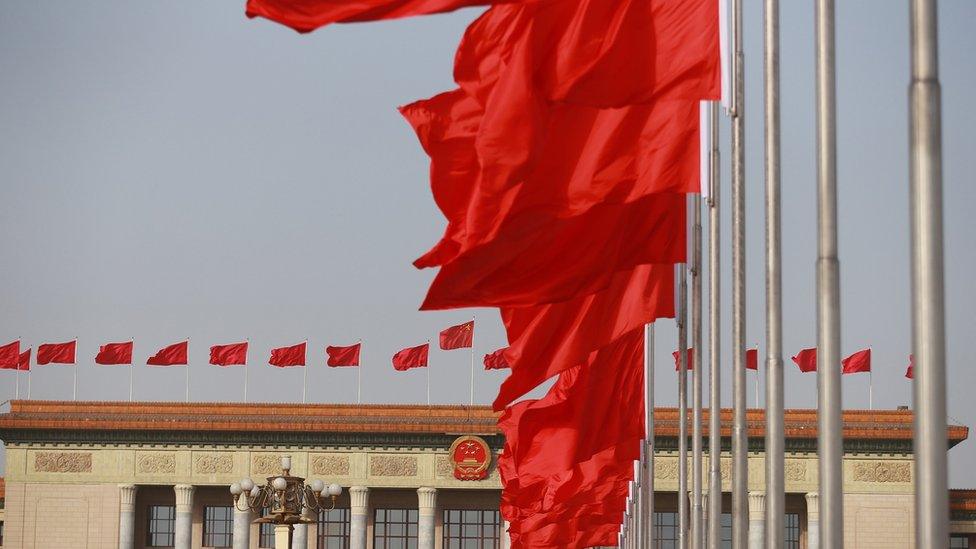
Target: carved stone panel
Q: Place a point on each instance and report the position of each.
(63, 462)
(393, 466)
(666, 469)
(795, 471)
(882, 471)
(265, 464)
(443, 467)
(333, 465)
(213, 464)
(157, 463)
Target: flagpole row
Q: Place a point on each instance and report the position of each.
(697, 531)
(682, 322)
(714, 341)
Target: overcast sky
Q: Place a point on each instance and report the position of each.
(172, 170)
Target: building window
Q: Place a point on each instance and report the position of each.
(959, 542)
(471, 529)
(395, 529)
(333, 529)
(266, 531)
(725, 530)
(161, 530)
(218, 526)
(791, 536)
(666, 530)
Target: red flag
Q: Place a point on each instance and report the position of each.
(806, 360)
(56, 353)
(752, 359)
(857, 363)
(496, 360)
(344, 356)
(284, 357)
(690, 359)
(910, 372)
(457, 337)
(23, 364)
(171, 355)
(114, 353)
(231, 354)
(10, 355)
(411, 357)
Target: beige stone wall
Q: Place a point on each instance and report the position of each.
(43, 516)
(879, 521)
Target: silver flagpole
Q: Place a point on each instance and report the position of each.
(683, 404)
(471, 400)
(647, 520)
(697, 532)
(428, 372)
(830, 422)
(928, 292)
(132, 364)
(775, 434)
(359, 372)
(188, 375)
(714, 344)
(247, 348)
(74, 384)
(639, 501)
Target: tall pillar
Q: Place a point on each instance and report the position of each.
(242, 528)
(127, 516)
(184, 516)
(813, 520)
(359, 514)
(427, 504)
(299, 539)
(757, 520)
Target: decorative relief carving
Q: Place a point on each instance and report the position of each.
(156, 464)
(882, 471)
(725, 469)
(214, 464)
(393, 466)
(265, 464)
(666, 469)
(795, 471)
(443, 467)
(63, 462)
(337, 466)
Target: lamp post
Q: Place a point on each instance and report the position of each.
(286, 498)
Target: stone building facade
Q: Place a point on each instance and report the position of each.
(140, 475)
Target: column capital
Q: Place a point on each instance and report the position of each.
(184, 496)
(757, 505)
(813, 506)
(127, 495)
(427, 498)
(358, 498)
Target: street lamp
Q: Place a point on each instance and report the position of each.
(286, 498)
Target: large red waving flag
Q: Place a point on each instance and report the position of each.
(752, 359)
(114, 353)
(806, 360)
(343, 356)
(232, 354)
(457, 337)
(56, 353)
(496, 360)
(411, 357)
(24, 363)
(857, 362)
(171, 355)
(284, 357)
(10, 355)
(690, 359)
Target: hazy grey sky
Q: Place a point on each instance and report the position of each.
(172, 169)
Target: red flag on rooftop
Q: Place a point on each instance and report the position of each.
(677, 359)
(231, 354)
(56, 353)
(496, 360)
(24, 363)
(857, 362)
(114, 353)
(171, 355)
(411, 357)
(284, 357)
(344, 356)
(752, 359)
(910, 372)
(806, 360)
(10, 355)
(457, 337)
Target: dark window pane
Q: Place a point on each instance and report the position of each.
(161, 530)
(218, 526)
(471, 529)
(395, 529)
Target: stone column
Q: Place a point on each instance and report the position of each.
(506, 539)
(127, 516)
(242, 526)
(427, 499)
(299, 539)
(184, 516)
(757, 520)
(813, 520)
(359, 515)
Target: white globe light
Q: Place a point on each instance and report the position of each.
(247, 484)
(255, 491)
(317, 485)
(279, 483)
(235, 489)
(335, 489)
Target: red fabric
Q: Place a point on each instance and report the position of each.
(171, 355)
(284, 357)
(457, 337)
(23, 364)
(806, 360)
(496, 360)
(343, 356)
(232, 354)
(752, 359)
(114, 353)
(690, 359)
(411, 357)
(56, 353)
(857, 363)
(910, 372)
(10, 355)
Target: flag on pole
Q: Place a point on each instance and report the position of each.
(457, 337)
(806, 360)
(171, 355)
(112, 354)
(343, 356)
(411, 357)
(752, 359)
(9, 355)
(284, 357)
(231, 354)
(910, 372)
(23, 363)
(56, 353)
(857, 362)
(677, 359)
(496, 360)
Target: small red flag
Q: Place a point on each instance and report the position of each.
(458, 337)
(284, 357)
(114, 353)
(806, 360)
(343, 356)
(232, 354)
(10, 355)
(752, 359)
(677, 359)
(411, 357)
(857, 363)
(910, 372)
(56, 353)
(496, 360)
(23, 364)
(171, 355)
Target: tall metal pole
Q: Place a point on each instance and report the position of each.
(830, 436)
(775, 436)
(740, 441)
(683, 405)
(647, 496)
(714, 344)
(928, 294)
(697, 532)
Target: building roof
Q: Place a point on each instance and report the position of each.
(962, 500)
